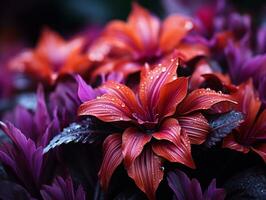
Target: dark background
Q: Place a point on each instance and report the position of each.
(24, 19)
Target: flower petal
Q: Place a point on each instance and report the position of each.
(170, 131)
(125, 94)
(133, 142)
(261, 150)
(196, 126)
(146, 172)
(191, 50)
(152, 82)
(107, 108)
(146, 25)
(174, 29)
(171, 95)
(202, 99)
(112, 157)
(85, 91)
(180, 153)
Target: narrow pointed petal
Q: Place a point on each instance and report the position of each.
(152, 81)
(85, 91)
(202, 99)
(147, 173)
(180, 153)
(125, 94)
(196, 127)
(171, 95)
(170, 131)
(146, 25)
(133, 142)
(174, 29)
(107, 108)
(112, 152)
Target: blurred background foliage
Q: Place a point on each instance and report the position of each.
(24, 19)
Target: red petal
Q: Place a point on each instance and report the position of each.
(133, 142)
(202, 99)
(229, 142)
(152, 82)
(261, 150)
(196, 127)
(112, 157)
(107, 108)
(170, 130)
(190, 51)
(197, 77)
(174, 29)
(249, 104)
(180, 153)
(145, 25)
(259, 128)
(125, 94)
(171, 95)
(146, 172)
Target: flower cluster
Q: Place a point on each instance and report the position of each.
(135, 110)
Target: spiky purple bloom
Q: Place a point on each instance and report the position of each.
(184, 188)
(62, 190)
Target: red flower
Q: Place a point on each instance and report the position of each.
(160, 118)
(251, 134)
(52, 57)
(143, 38)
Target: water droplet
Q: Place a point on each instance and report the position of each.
(163, 69)
(98, 97)
(188, 25)
(121, 118)
(159, 64)
(117, 87)
(208, 89)
(123, 105)
(151, 77)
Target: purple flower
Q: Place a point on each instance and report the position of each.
(37, 125)
(62, 190)
(186, 189)
(24, 159)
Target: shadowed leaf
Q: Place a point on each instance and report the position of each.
(222, 126)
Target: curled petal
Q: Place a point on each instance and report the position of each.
(174, 29)
(123, 93)
(191, 50)
(146, 26)
(152, 81)
(85, 91)
(112, 157)
(180, 153)
(171, 95)
(147, 172)
(107, 108)
(202, 99)
(229, 142)
(133, 142)
(170, 130)
(196, 127)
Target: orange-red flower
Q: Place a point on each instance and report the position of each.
(125, 46)
(251, 134)
(52, 57)
(161, 122)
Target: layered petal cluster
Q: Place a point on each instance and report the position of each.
(62, 189)
(52, 57)
(125, 46)
(251, 134)
(161, 120)
(186, 189)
